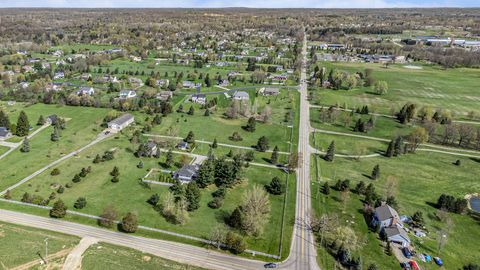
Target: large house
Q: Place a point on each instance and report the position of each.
(164, 95)
(270, 91)
(199, 98)
(84, 90)
(389, 222)
(187, 173)
(240, 95)
(121, 122)
(4, 133)
(125, 94)
(190, 84)
(385, 216)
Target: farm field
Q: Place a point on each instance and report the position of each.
(453, 89)
(83, 125)
(105, 256)
(130, 195)
(28, 242)
(416, 180)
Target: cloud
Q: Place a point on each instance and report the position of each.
(237, 3)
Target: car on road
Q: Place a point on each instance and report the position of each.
(407, 253)
(414, 265)
(405, 265)
(270, 265)
(438, 261)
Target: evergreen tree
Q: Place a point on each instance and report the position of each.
(390, 149)
(153, 200)
(55, 136)
(190, 138)
(80, 203)
(191, 111)
(330, 155)
(276, 187)
(157, 120)
(262, 144)
(76, 178)
(169, 159)
(214, 144)
(208, 82)
(192, 195)
(41, 121)
(4, 120)
(206, 174)
(25, 146)
(398, 148)
(97, 159)
(23, 125)
(376, 172)
(59, 210)
(274, 156)
(115, 173)
(207, 113)
(326, 188)
(129, 223)
(251, 124)
(360, 188)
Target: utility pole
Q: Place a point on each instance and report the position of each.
(46, 250)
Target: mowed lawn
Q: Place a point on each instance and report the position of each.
(24, 243)
(130, 195)
(104, 256)
(218, 126)
(416, 180)
(452, 89)
(347, 145)
(3, 149)
(82, 127)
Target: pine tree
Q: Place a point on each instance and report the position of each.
(97, 159)
(276, 187)
(191, 111)
(7, 195)
(80, 203)
(390, 149)
(169, 159)
(376, 172)
(330, 155)
(4, 121)
(23, 125)
(76, 178)
(55, 136)
(115, 173)
(251, 124)
(25, 146)
(41, 121)
(398, 148)
(274, 157)
(262, 144)
(214, 144)
(192, 195)
(207, 113)
(157, 120)
(59, 210)
(326, 188)
(206, 174)
(190, 138)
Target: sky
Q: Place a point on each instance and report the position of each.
(238, 3)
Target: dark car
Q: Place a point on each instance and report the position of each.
(407, 252)
(405, 265)
(270, 265)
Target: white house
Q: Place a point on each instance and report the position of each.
(240, 95)
(187, 173)
(199, 98)
(58, 75)
(164, 95)
(270, 91)
(125, 94)
(121, 122)
(85, 90)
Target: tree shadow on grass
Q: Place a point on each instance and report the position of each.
(222, 216)
(475, 159)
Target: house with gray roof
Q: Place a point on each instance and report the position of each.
(187, 173)
(385, 216)
(121, 122)
(240, 95)
(4, 133)
(397, 235)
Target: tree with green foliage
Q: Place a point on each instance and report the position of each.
(251, 124)
(207, 112)
(153, 200)
(55, 136)
(208, 81)
(41, 121)
(391, 149)
(129, 223)
(326, 188)
(80, 203)
(274, 156)
(206, 174)
(157, 120)
(23, 126)
(169, 158)
(330, 155)
(360, 188)
(376, 172)
(398, 148)
(115, 173)
(4, 120)
(214, 144)
(192, 195)
(97, 159)
(108, 217)
(25, 146)
(59, 210)
(76, 178)
(380, 87)
(235, 243)
(276, 187)
(190, 138)
(262, 144)
(191, 111)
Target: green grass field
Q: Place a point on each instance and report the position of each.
(3, 149)
(452, 89)
(416, 180)
(82, 128)
(130, 195)
(104, 256)
(26, 242)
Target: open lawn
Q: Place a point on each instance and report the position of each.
(130, 195)
(219, 127)
(82, 127)
(27, 242)
(452, 89)
(416, 180)
(347, 145)
(3, 149)
(104, 256)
